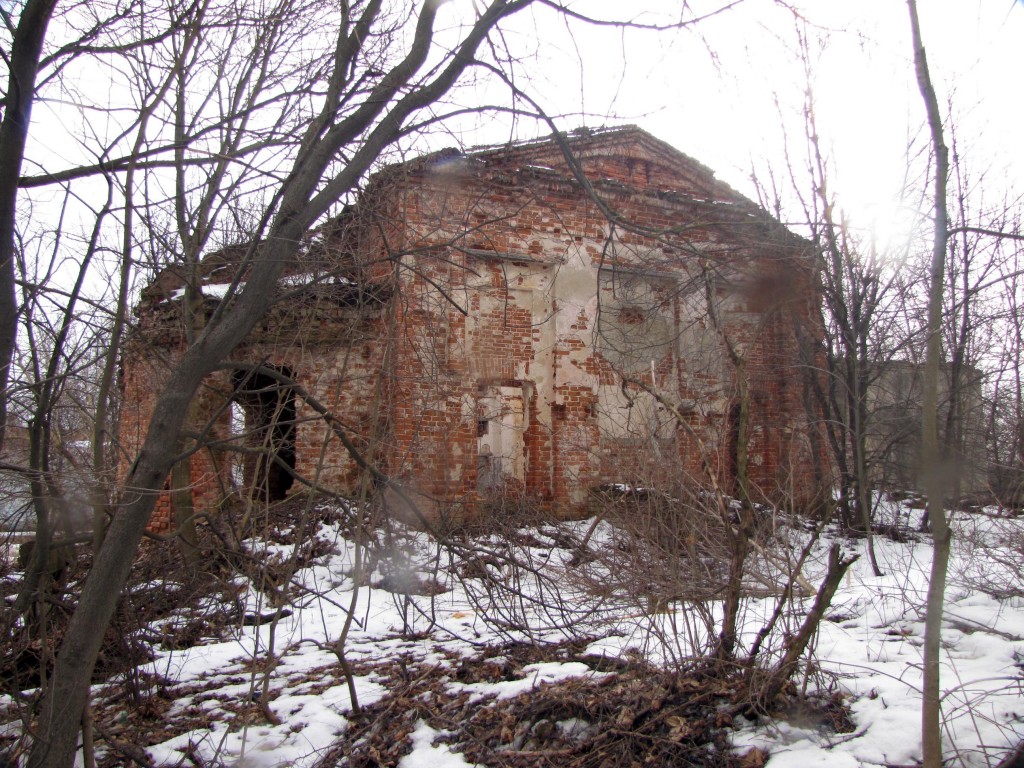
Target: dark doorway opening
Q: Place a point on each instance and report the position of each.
(268, 465)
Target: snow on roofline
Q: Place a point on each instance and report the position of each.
(296, 281)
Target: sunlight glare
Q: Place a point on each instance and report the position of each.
(892, 228)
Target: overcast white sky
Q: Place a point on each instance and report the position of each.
(730, 91)
(727, 91)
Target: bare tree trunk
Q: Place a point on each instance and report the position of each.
(365, 132)
(183, 511)
(24, 65)
(859, 409)
(850, 303)
(931, 713)
(837, 566)
(740, 534)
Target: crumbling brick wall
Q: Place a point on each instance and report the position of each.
(330, 348)
(533, 321)
(531, 218)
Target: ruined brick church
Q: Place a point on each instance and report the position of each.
(505, 322)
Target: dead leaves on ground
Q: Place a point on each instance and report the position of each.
(634, 717)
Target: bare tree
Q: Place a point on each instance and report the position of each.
(931, 710)
(368, 101)
(22, 59)
(980, 322)
(868, 291)
(1005, 409)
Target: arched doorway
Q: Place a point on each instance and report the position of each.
(267, 424)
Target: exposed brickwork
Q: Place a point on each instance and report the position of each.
(518, 330)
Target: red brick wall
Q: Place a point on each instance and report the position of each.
(333, 352)
(529, 212)
(494, 263)
(142, 378)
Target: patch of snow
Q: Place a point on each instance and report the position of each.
(212, 290)
(870, 648)
(296, 281)
(533, 676)
(425, 755)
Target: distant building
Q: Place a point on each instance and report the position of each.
(894, 429)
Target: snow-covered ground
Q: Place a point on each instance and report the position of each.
(874, 646)
(869, 648)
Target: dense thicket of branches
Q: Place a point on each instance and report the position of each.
(203, 124)
(266, 117)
